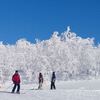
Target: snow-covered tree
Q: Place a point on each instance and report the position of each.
(69, 55)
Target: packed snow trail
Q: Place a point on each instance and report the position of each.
(71, 90)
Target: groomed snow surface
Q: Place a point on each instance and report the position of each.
(69, 90)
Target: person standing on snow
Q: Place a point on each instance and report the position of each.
(53, 79)
(16, 81)
(40, 78)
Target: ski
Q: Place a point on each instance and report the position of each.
(11, 92)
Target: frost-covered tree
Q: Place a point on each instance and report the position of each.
(71, 56)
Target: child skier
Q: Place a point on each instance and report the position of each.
(40, 78)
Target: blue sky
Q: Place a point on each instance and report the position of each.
(32, 19)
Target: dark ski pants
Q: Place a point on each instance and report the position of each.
(53, 85)
(18, 88)
(40, 85)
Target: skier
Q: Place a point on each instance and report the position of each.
(16, 81)
(53, 79)
(40, 78)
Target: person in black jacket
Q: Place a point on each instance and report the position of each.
(53, 79)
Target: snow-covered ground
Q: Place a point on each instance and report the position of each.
(69, 90)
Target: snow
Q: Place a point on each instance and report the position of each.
(66, 90)
(70, 56)
(75, 60)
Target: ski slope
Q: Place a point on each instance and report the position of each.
(69, 90)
